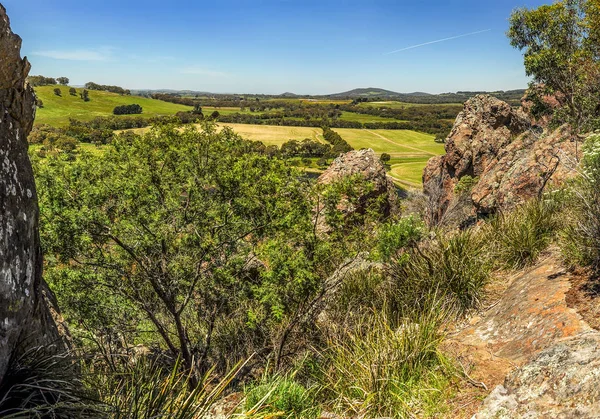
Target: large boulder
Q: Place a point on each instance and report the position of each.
(25, 318)
(365, 165)
(497, 144)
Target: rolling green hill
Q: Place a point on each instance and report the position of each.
(58, 109)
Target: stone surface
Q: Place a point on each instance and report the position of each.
(536, 353)
(495, 143)
(24, 316)
(562, 381)
(366, 164)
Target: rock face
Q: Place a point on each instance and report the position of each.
(495, 143)
(561, 382)
(25, 318)
(534, 350)
(365, 164)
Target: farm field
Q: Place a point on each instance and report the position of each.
(409, 150)
(58, 109)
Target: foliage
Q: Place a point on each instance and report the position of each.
(581, 234)
(41, 81)
(39, 383)
(559, 54)
(455, 267)
(465, 185)
(394, 237)
(160, 231)
(280, 396)
(386, 369)
(57, 92)
(338, 143)
(134, 108)
(517, 238)
(113, 89)
(62, 80)
(146, 390)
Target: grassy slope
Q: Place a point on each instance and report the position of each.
(58, 109)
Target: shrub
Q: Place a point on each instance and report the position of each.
(128, 109)
(454, 266)
(465, 185)
(518, 237)
(57, 92)
(581, 236)
(394, 237)
(376, 369)
(282, 397)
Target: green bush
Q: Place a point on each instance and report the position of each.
(394, 237)
(580, 238)
(376, 369)
(281, 397)
(518, 237)
(455, 266)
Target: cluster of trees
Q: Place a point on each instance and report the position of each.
(47, 81)
(106, 88)
(339, 144)
(128, 109)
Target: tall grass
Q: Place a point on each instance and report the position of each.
(42, 384)
(147, 391)
(517, 238)
(375, 369)
(453, 266)
(280, 396)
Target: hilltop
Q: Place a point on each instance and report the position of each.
(58, 109)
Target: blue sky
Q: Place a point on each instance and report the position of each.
(268, 46)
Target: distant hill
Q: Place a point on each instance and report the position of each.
(365, 92)
(58, 109)
(372, 93)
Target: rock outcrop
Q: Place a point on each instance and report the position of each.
(25, 318)
(533, 351)
(496, 144)
(367, 166)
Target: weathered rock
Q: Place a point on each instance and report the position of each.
(494, 142)
(24, 316)
(365, 164)
(536, 353)
(563, 381)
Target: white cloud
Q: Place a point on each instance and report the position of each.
(101, 54)
(200, 71)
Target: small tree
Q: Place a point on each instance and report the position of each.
(385, 158)
(197, 109)
(73, 91)
(63, 80)
(39, 103)
(57, 92)
(85, 95)
(215, 115)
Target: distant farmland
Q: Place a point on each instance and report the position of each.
(58, 109)
(409, 150)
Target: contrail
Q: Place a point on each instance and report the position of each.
(435, 42)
